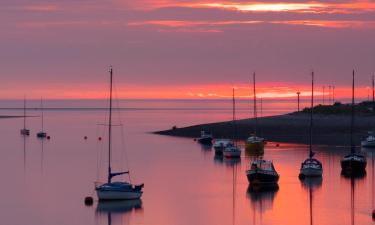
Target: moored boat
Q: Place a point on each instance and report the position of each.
(311, 167)
(369, 142)
(355, 163)
(116, 190)
(24, 131)
(205, 138)
(262, 172)
(41, 134)
(220, 144)
(232, 152)
(255, 144)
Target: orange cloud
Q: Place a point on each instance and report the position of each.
(257, 6)
(218, 24)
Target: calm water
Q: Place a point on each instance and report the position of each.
(45, 182)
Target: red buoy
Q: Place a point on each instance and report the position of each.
(277, 145)
(85, 137)
(48, 137)
(100, 138)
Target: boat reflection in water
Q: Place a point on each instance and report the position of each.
(261, 198)
(354, 180)
(118, 211)
(311, 184)
(219, 159)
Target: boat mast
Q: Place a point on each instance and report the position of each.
(255, 106)
(352, 147)
(373, 91)
(373, 95)
(110, 127)
(234, 118)
(41, 106)
(311, 113)
(24, 112)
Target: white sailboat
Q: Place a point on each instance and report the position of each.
(24, 131)
(42, 133)
(255, 144)
(233, 151)
(311, 167)
(116, 190)
(369, 142)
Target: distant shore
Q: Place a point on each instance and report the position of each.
(6, 117)
(290, 128)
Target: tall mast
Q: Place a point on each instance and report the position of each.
(311, 113)
(24, 112)
(352, 147)
(373, 95)
(41, 106)
(373, 91)
(255, 106)
(110, 126)
(234, 117)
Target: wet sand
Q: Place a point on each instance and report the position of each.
(289, 128)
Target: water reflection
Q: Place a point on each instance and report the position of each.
(261, 198)
(354, 181)
(220, 160)
(311, 184)
(206, 147)
(42, 156)
(118, 212)
(24, 154)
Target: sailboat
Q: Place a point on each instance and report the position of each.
(205, 138)
(255, 143)
(311, 167)
(233, 151)
(24, 131)
(42, 133)
(116, 190)
(369, 142)
(220, 144)
(354, 163)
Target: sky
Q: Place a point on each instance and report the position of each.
(184, 48)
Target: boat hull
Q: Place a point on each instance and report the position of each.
(219, 150)
(236, 154)
(260, 178)
(353, 166)
(118, 195)
(368, 144)
(254, 147)
(205, 140)
(25, 132)
(41, 135)
(311, 172)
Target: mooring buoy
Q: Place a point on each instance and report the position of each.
(89, 200)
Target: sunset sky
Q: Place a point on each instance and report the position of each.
(183, 49)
